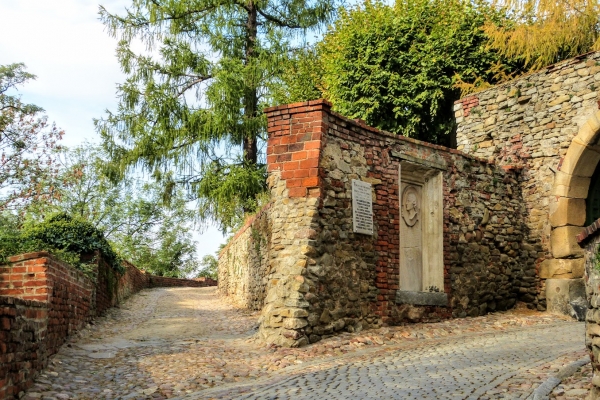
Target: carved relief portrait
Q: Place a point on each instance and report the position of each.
(411, 206)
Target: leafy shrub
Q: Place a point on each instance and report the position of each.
(65, 236)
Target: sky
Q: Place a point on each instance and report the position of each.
(64, 44)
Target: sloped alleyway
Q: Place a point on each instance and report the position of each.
(189, 343)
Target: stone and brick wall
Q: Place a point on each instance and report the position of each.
(43, 301)
(486, 265)
(590, 242)
(530, 123)
(320, 278)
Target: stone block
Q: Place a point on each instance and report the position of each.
(562, 268)
(567, 211)
(566, 296)
(293, 313)
(589, 132)
(580, 160)
(422, 298)
(564, 243)
(567, 185)
(294, 323)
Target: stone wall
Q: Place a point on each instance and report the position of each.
(321, 278)
(487, 264)
(43, 301)
(590, 242)
(243, 263)
(530, 123)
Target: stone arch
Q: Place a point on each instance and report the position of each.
(571, 185)
(565, 287)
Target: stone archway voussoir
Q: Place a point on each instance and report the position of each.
(564, 243)
(567, 211)
(581, 160)
(567, 185)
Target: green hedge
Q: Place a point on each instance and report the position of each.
(65, 236)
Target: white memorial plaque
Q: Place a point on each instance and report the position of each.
(362, 207)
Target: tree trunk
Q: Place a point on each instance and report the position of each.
(251, 97)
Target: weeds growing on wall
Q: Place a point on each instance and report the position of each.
(66, 237)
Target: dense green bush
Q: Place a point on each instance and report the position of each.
(67, 237)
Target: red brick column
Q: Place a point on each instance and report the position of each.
(295, 142)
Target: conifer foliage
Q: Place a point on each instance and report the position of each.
(190, 111)
(542, 32)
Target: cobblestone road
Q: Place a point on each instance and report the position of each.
(188, 344)
(468, 367)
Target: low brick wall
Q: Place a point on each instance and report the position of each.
(165, 281)
(24, 348)
(131, 282)
(43, 301)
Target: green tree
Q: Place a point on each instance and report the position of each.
(302, 79)
(130, 213)
(543, 32)
(27, 142)
(190, 111)
(397, 67)
(209, 266)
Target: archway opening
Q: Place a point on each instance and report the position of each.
(592, 202)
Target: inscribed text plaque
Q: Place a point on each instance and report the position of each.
(362, 207)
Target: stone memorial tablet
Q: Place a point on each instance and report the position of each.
(362, 207)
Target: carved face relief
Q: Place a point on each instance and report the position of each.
(410, 205)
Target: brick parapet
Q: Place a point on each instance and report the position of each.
(165, 281)
(34, 276)
(294, 145)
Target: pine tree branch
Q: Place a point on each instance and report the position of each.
(278, 21)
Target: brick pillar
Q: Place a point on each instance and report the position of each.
(295, 142)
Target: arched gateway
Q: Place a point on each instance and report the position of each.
(547, 126)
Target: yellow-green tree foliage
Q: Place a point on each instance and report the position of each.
(542, 32)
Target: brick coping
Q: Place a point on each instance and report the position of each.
(29, 256)
(325, 105)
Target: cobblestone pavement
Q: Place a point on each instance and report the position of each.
(188, 343)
